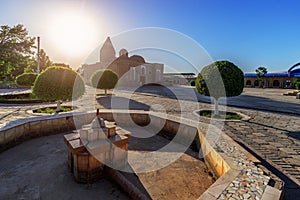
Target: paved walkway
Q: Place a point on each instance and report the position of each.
(273, 132)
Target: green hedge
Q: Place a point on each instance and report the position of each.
(58, 83)
(26, 79)
(104, 79)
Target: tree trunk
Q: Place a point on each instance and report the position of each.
(216, 111)
(58, 106)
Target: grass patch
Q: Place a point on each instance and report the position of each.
(223, 115)
(52, 110)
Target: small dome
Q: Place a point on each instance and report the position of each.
(137, 59)
(123, 52)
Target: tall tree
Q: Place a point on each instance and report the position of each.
(16, 50)
(44, 62)
(260, 74)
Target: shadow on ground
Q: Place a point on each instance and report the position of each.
(294, 134)
(121, 103)
(242, 101)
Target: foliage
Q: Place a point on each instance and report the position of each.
(15, 51)
(261, 72)
(209, 80)
(51, 110)
(228, 116)
(26, 79)
(104, 79)
(220, 79)
(297, 85)
(62, 65)
(192, 83)
(44, 62)
(58, 83)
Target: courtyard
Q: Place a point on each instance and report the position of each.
(272, 134)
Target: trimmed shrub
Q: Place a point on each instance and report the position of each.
(209, 81)
(104, 79)
(26, 79)
(230, 74)
(58, 83)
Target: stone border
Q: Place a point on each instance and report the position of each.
(236, 169)
(49, 106)
(244, 117)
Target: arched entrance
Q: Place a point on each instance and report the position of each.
(248, 83)
(256, 83)
(276, 83)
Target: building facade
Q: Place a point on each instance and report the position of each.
(274, 80)
(132, 71)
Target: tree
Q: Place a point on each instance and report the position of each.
(260, 74)
(44, 62)
(26, 79)
(209, 81)
(16, 50)
(58, 84)
(62, 65)
(297, 85)
(295, 81)
(104, 79)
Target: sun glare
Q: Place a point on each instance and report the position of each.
(73, 34)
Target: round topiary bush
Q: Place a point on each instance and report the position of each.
(220, 79)
(26, 79)
(58, 83)
(104, 79)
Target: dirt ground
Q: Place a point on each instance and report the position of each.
(37, 169)
(186, 178)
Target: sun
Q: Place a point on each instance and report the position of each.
(73, 34)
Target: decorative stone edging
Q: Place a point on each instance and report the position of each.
(46, 114)
(251, 181)
(243, 179)
(244, 117)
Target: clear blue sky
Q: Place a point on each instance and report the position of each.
(249, 33)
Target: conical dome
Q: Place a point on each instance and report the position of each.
(107, 52)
